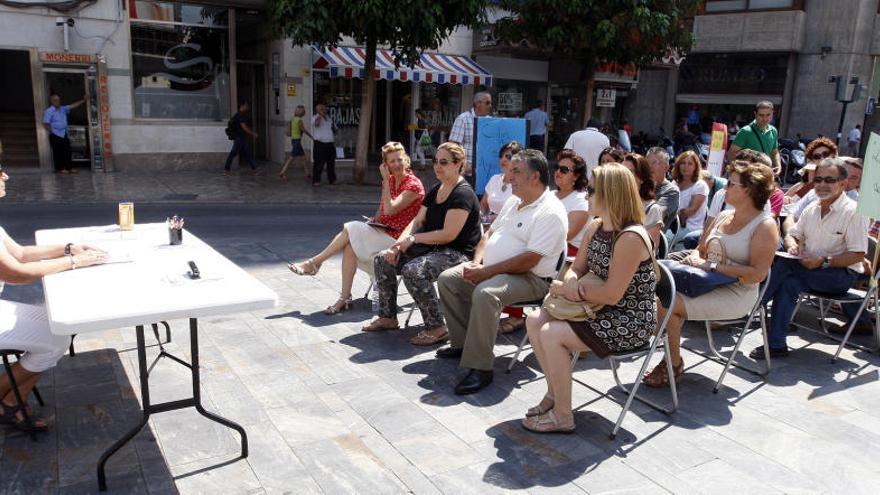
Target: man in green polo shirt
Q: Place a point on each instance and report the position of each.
(760, 136)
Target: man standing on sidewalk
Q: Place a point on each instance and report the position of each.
(240, 126)
(854, 140)
(324, 147)
(55, 121)
(759, 135)
(537, 118)
(463, 131)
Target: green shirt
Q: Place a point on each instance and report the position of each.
(752, 138)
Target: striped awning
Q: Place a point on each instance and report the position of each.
(348, 62)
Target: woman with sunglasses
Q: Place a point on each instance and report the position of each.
(497, 191)
(443, 234)
(818, 150)
(402, 194)
(749, 237)
(570, 178)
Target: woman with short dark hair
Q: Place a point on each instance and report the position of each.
(570, 178)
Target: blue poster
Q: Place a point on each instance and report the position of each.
(490, 134)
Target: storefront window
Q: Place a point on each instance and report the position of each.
(180, 61)
(441, 104)
(343, 100)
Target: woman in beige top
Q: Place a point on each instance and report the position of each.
(750, 237)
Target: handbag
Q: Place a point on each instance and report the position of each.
(562, 308)
(693, 281)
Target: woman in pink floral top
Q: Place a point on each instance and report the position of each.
(402, 194)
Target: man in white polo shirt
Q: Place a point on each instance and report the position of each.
(830, 239)
(514, 262)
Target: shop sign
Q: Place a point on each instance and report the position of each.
(509, 102)
(291, 89)
(104, 106)
(605, 97)
(67, 58)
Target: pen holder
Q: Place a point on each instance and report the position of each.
(175, 237)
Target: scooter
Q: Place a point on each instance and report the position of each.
(792, 158)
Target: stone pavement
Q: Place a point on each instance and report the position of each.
(329, 409)
(196, 186)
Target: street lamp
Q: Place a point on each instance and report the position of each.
(840, 94)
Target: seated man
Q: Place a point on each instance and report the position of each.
(514, 262)
(831, 239)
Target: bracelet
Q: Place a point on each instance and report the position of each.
(72, 262)
(67, 248)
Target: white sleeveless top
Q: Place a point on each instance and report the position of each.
(737, 247)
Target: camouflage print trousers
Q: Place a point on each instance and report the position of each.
(418, 274)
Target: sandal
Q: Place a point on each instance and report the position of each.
(300, 268)
(341, 304)
(282, 176)
(510, 325)
(425, 338)
(380, 325)
(10, 416)
(659, 378)
(545, 406)
(547, 423)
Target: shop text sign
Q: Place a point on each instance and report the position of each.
(67, 58)
(104, 106)
(605, 97)
(510, 102)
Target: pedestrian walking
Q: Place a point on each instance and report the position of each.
(463, 131)
(537, 118)
(324, 147)
(238, 130)
(854, 140)
(55, 121)
(297, 153)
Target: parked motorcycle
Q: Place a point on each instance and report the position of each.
(793, 158)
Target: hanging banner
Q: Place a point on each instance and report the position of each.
(717, 149)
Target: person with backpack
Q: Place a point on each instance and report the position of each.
(237, 130)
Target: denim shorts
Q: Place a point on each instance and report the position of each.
(296, 148)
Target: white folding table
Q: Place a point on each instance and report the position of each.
(148, 281)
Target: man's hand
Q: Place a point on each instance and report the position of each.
(475, 273)
(812, 262)
(796, 250)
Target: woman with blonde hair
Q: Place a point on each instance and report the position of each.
(296, 131)
(402, 194)
(617, 250)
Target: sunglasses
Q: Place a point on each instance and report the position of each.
(562, 169)
(828, 180)
(507, 156)
(820, 156)
(732, 183)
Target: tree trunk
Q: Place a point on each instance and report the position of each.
(590, 72)
(367, 97)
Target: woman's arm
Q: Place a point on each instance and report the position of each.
(654, 232)
(629, 252)
(414, 225)
(579, 265)
(304, 129)
(14, 271)
(762, 249)
(452, 225)
(576, 222)
(392, 206)
(697, 201)
(484, 203)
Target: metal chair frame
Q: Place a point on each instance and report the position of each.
(666, 293)
(5, 353)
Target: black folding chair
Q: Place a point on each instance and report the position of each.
(5, 353)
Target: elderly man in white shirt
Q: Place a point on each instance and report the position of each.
(829, 240)
(589, 144)
(514, 262)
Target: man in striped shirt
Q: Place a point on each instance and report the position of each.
(463, 130)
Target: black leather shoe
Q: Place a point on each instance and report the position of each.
(758, 353)
(449, 352)
(474, 381)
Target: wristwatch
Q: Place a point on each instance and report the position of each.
(826, 262)
(411, 239)
(67, 248)
(713, 265)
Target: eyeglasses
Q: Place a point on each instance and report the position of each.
(732, 183)
(444, 162)
(820, 156)
(562, 169)
(828, 180)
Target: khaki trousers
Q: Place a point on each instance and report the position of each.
(472, 312)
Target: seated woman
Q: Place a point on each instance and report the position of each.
(622, 259)
(570, 178)
(402, 194)
(23, 327)
(750, 237)
(693, 194)
(641, 169)
(818, 150)
(497, 190)
(610, 155)
(443, 234)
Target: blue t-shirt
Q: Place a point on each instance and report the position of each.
(538, 121)
(57, 119)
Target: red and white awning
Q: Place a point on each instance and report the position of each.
(348, 62)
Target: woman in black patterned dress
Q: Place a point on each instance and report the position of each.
(619, 253)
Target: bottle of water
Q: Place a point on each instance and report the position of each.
(374, 297)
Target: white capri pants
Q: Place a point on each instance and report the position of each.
(367, 242)
(24, 327)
